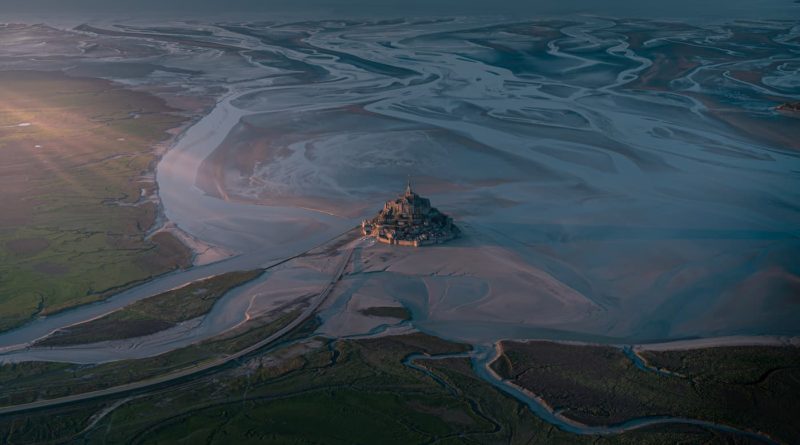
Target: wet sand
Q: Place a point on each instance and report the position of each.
(614, 183)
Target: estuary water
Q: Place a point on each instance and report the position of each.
(619, 180)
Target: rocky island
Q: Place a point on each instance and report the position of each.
(409, 220)
(789, 106)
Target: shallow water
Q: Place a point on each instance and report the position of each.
(629, 176)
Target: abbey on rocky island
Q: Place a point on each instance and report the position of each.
(409, 220)
(789, 106)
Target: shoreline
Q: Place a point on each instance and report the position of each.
(200, 214)
(677, 345)
(720, 342)
(202, 252)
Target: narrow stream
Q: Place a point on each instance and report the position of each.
(639, 362)
(483, 356)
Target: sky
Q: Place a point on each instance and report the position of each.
(782, 9)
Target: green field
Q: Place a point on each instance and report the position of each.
(29, 381)
(153, 314)
(322, 391)
(76, 158)
(752, 388)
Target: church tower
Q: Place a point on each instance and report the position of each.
(409, 220)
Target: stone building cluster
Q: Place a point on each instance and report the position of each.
(409, 220)
(789, 106)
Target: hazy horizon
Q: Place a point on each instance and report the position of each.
(772, 9)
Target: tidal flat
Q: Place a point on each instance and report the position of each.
(625, 183)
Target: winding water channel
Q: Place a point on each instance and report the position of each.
(482, 357)
(242, 228)
(495, 106)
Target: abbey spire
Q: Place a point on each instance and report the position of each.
(409, 220)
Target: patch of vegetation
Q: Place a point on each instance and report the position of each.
(750, 388)
(737, 365)
(77, 157)
(153, 314)
(398, 312)
(37, 380)
(315, 390)
(64, 422)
